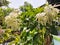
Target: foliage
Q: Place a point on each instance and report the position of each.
(31, 26)
(4, 3)
(1, 16)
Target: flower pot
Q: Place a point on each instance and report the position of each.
(56, 40)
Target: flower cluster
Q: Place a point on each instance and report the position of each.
(48, 15)
(12, 21)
